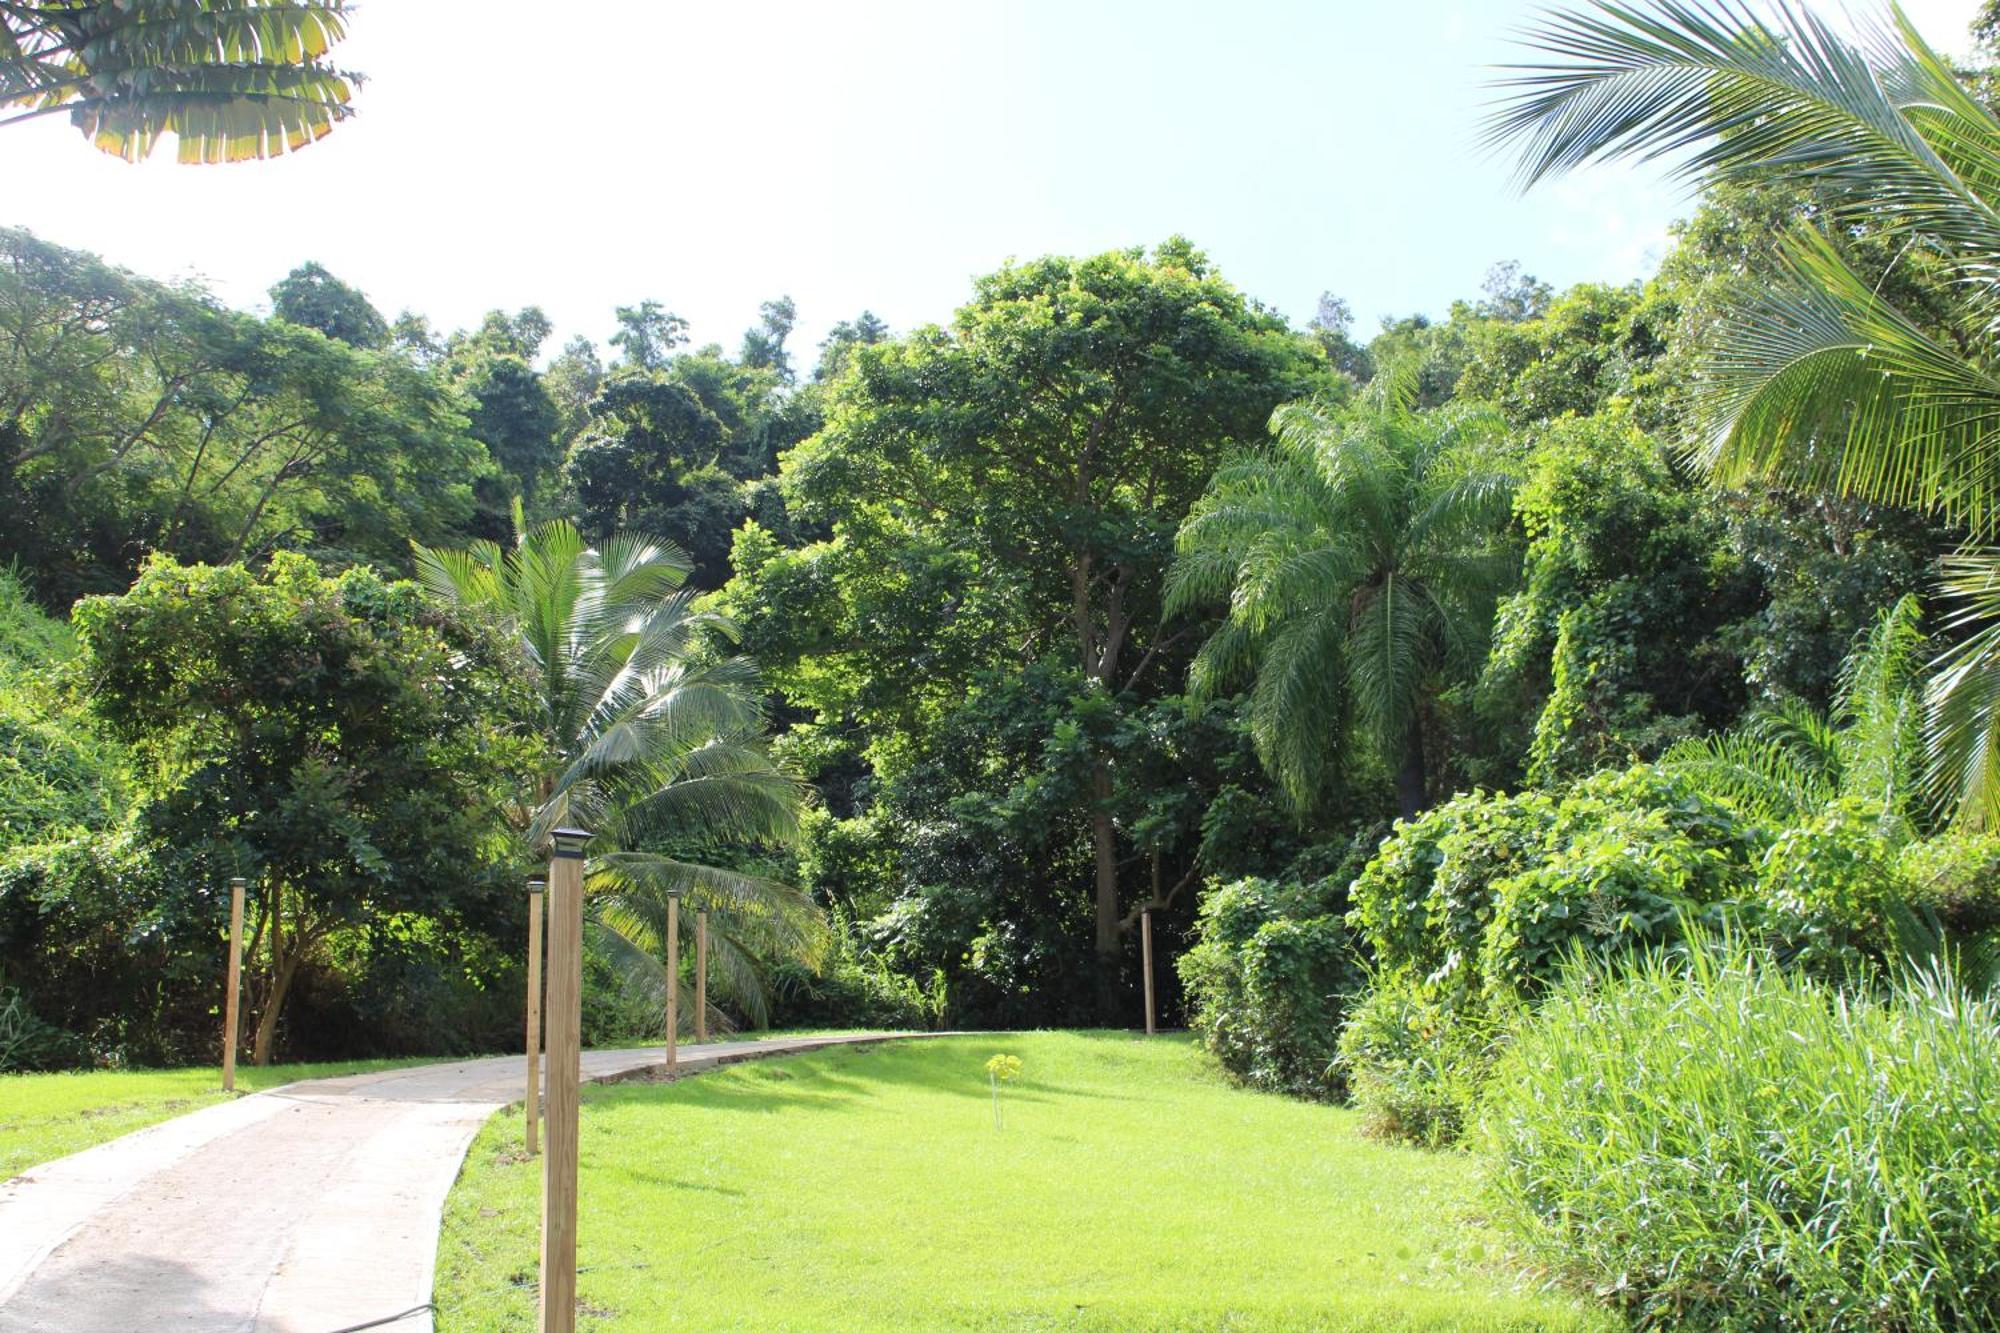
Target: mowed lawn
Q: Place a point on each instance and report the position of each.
(46, 1116)
(868, 1188)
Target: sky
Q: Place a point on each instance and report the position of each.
(873, 154)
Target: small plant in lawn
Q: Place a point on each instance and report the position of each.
(1001, 1069)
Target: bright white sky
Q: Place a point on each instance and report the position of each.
(871, 153)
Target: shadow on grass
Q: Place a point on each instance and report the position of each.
(848, 1078)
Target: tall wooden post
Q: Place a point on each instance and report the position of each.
(565, 1067)
(701, 976)
(673, 981)
(1146, 948)
(534, 1099)
(230, 1016)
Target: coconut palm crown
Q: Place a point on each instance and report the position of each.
(656, 739)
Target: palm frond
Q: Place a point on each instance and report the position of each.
(1818, 381)
(1298, 704)
(1737, 95)
(1880, 708)
(1962, 748)
(1392, 649)
(1762, 775)
(234, 80)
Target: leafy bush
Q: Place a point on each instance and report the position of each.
(1476, 907)
(1415, 1065)
(852, 988)
(1957, 877)
(1267, 981)
(1717, 1140)
(1491, 893)
(28, 1044)
(58, 773)
(1829, 884)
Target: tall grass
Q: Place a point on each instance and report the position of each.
(1711, 1140)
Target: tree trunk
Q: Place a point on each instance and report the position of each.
(284, 965)
(1411, 787)
(267, 1022)
(1104, 847)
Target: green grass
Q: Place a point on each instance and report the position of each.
(46, 1116)
(1130, 1188)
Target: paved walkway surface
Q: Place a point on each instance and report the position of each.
(306, 1209)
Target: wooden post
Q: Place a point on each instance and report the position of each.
(534, 1101)
(1146, 947)
(565, 1067)
(673, 981)
(230, 1015)
(701, 976)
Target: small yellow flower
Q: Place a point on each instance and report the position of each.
(1005, 1068)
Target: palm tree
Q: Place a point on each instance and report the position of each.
(232, 79)
(652, 738)
(1786, 763)
(1360, 557)
(1816, 380)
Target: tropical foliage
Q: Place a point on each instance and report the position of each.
(654, 741)
(231, 79)
(1812, 376)
(1720, 1142)
(1359, 561)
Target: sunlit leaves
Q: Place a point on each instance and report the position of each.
(232, 80)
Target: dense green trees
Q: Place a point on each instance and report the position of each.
(1112, 590)
(1026, 468)
(1809, 374)
(136, 416)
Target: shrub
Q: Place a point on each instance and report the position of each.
(1717, 1140)
(1267, 981)
(1425, 901)
(27, 1044)
(1414, 1065)
(1491, 893)
(1957, 877)
(1829, 884)
(852, 988)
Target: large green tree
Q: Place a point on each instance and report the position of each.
(311, 296)
(232, 79)
(137, 416)
(1812, 376)
(1037, 455)
(1359, 558)
(343, 743)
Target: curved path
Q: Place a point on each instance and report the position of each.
(306, 1209)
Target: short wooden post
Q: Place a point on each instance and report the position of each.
(534, 1100)
(565, 1068)
(1146, 948)
(673, 981)
(230, 1015)
(701, 976)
